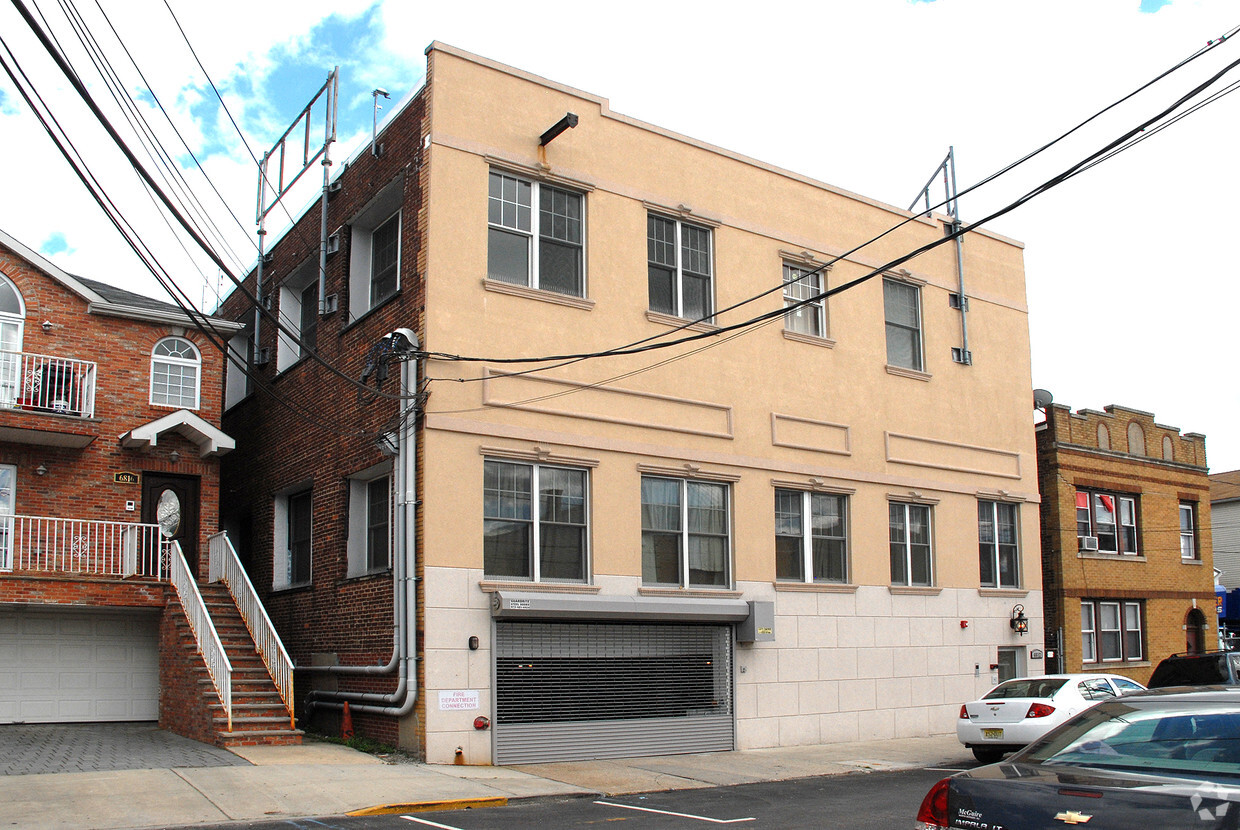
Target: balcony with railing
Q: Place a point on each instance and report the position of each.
(46, 384)
(47, 545)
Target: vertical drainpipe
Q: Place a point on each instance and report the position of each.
(404, 572)
(965, 355)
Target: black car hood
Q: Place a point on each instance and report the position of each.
(1017, 796)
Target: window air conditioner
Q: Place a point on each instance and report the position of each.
(1087, 542)
(333, 243)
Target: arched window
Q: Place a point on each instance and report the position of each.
(1168, 449)
(1136, 439)
(12, 320)
(175, 375)
(1104, 437)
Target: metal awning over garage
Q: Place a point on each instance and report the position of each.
(64, 665)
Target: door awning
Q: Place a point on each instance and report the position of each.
(210, 441)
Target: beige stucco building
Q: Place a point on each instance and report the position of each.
(699, 521)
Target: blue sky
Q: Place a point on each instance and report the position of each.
(1130, 275)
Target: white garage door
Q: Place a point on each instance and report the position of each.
(65, 666)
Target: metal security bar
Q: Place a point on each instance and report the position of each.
(42, 383)
(54, 545)
(225, 565)
(209, 645)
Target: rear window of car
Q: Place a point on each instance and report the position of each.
(1174, 738)
(1030, 687)
(1190, 671)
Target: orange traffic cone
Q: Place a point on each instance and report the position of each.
(346, 723)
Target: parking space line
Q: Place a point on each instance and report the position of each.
(679, 815)
(430, 823)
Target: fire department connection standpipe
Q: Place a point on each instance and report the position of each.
(402, 343)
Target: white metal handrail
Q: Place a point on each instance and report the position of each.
(44, 383)
(48, 544)
(209, 645)
(224, 564)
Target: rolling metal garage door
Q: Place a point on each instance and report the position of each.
(66, 666)
(576, 691)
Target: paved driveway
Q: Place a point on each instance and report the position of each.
(32, 749)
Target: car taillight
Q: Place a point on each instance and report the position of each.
(1039, 710)
(964, 712)
(933, 812)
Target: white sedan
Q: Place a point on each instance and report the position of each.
(1021, 710)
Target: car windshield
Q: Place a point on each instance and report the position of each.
(1027, 687)
(1189, 738)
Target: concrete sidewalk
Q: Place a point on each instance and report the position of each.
(319, 779)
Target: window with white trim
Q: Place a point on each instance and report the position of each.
(175, 373)
(299, 315)
(685, 533)
(1106, 522)
(912, 555)
(1112, 631)
(542, 542)
(679, 268)
(1188, 534)
(12, 322)
(369, 544)
(293, 537)
(375, 251)
(811, 536)
(902, 312)
(237, 367)
(998, 541)
(543, 248)
(803, 298)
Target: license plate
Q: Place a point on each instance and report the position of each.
(992, 734)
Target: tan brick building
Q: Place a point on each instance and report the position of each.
(1126, 559)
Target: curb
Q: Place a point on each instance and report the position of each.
(427, 806)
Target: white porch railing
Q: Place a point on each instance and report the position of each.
(43, 383)
(225, 565)
(54, 545)
(218, 665)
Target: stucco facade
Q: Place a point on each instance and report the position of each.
(862, 405)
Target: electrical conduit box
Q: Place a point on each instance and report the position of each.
(759, 626)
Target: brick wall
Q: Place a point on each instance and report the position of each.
(1074, 453)
(79, 483)
(183, 706)
(336, 427)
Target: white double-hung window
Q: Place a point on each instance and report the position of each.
(534, 522)
(803, 298)
(679, 268)
(536, 235)
(685, 533)
(912, 559)
(811, 536)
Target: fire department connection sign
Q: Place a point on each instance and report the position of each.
(458, 700)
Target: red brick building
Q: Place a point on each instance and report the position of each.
(109, 480)
(1127, 566)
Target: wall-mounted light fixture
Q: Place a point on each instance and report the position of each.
(1019, 622)
(473, 643)
(40, 470)
(47, 326)
(566, 123)
(376, 150)
(174, 456)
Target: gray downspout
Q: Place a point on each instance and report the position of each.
(404, 589)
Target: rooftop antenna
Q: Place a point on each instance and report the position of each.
(958, 300)
(376, 93)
